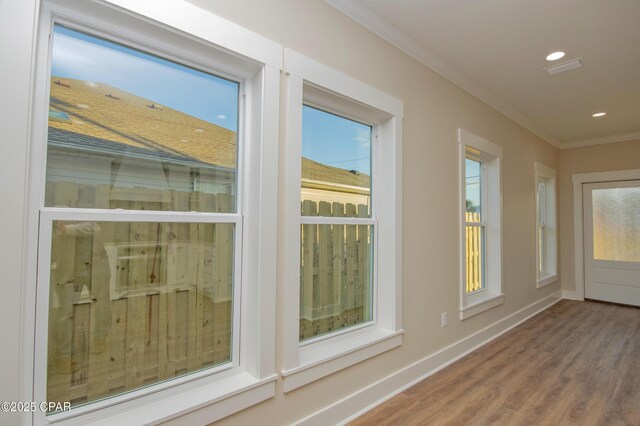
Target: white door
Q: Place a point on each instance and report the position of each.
(612, 241)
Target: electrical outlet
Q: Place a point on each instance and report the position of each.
(444, 319)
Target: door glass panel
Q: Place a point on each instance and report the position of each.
(616, 224)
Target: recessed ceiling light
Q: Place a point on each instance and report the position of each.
(599, 114)
(555, 56)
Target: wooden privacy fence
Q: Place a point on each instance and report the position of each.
(103, 196)
(158, 307)
(474, 248)
(336, 277)
(163, 308)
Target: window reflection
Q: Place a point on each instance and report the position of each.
(120, 139)
(136, 303)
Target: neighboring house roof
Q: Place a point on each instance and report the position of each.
(104, 112)
(63, 139)
(315, 171)
(101, 118)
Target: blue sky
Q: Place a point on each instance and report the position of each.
(326, 138)
(336, 141)
(472, 176)
(202, 95)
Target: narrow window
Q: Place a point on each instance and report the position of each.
(542, 237)
(475, 226)
(481, 240)
(546, 237)
(336, 279)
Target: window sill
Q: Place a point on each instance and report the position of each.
(197, 402)
(481, 303)
(545, 280)
(326, 357)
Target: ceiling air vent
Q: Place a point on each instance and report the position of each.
(565, 66)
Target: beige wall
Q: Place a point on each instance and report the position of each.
(589, 159)
(434, 109)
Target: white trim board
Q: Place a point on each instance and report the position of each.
(183, 16)
(600, 141)
(358, 403)
(369, 19)
(578, 228)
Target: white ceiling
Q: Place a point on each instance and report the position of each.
(496, 50)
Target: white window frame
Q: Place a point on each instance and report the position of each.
(546, 220)
(186, 34)
(490, 156)
(310, 82)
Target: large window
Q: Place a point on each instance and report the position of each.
(481, 255)
(343, 222)
(146, 214)
(134, 302)
(546, 230)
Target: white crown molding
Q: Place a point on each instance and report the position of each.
(599, 141)
(365, 16)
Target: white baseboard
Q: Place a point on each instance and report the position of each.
(358, 403)
(571, 295)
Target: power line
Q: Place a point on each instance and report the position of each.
(345, 161)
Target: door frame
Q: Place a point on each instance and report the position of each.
(579, 180)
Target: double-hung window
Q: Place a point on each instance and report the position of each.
(151, 253)
(546, 239)
(481, 204)
(475, 226)
(342, 232)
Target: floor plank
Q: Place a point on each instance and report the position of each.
(577, 363)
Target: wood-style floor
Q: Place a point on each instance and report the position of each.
(577, 363)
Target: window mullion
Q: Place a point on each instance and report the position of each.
(118, 215)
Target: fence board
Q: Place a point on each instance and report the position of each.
(182, 307)
(136, 302)
(79, 354)
(170, 368)
(474, 247)
(364, 285)
(163, 332)
(338, 267)
(325, 246)
(178, 314)
(195, 271)
(100, 308)
(222, 293)
(309, 208)
(151, 337)
(352, 265)
(201, 286)
(118, 342)
(62, 315)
